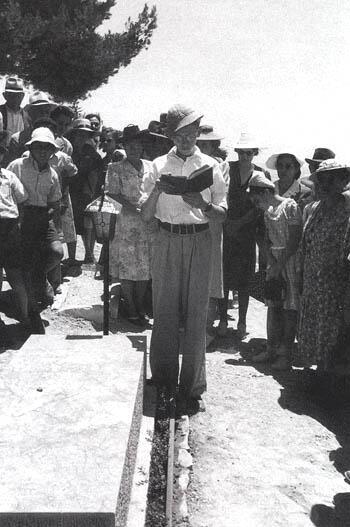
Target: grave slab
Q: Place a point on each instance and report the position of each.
(71, 411)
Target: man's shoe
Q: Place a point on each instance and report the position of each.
(195, 405)
(37, 325)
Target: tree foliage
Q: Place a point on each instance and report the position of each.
(53, 44)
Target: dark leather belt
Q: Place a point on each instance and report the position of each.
(184, 228)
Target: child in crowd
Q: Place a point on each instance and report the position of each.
(283, 223)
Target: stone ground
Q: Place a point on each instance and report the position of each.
(269, 451)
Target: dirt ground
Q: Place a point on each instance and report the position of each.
(270, 450)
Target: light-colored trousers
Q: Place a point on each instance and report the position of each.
(180, 274)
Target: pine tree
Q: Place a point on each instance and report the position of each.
(53, 44)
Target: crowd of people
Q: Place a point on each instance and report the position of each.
(191, 245)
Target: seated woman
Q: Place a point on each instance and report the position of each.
(132, 245)
(283, 223)
(325, 304)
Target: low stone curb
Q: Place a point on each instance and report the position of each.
(183, 465)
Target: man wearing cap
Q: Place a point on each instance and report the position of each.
(39, 107)
(13, 118)
(41, 213)
(181, 265)
(320, 154)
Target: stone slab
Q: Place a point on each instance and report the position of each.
(71, 412)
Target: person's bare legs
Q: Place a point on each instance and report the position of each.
(243, 302)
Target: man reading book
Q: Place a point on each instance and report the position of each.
(181, 264)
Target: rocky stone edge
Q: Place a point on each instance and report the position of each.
(183, 464)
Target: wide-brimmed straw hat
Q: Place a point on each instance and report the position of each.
(155, 129)
(259, 180)
(180, 116)
(43, 135)
(39, 98)
(272, 160)
(247, 141)
(206, 133)
(331, 166)
(14, 85)
(321, 154)
(133, 132)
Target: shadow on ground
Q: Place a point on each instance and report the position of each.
(319, 395)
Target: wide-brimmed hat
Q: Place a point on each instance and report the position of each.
(14, 85)
(133, 132)
(331, 166)
(272, 160)
(80, 125)
(321, 154)
(207, 133)
(247, 141)
(259, 180)
(43, 135)
(155, 128)
(39, 98)
(178, 117)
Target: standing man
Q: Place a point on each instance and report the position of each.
(39, 107)
(181, 264)
(13, 118)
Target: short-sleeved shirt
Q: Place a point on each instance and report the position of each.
(43, 186)
(172, 208)
(12, 193)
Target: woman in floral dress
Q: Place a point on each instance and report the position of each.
(131, 247)
(325, 304)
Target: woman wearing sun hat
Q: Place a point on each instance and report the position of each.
(208, 142)
(288, 167)
(86, 186)
(239, 233)
(132, 245)
(325, 302)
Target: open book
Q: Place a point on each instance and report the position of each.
(197, 181)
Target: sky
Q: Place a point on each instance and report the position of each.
(279, 69)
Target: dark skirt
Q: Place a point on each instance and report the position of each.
(239, 257)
